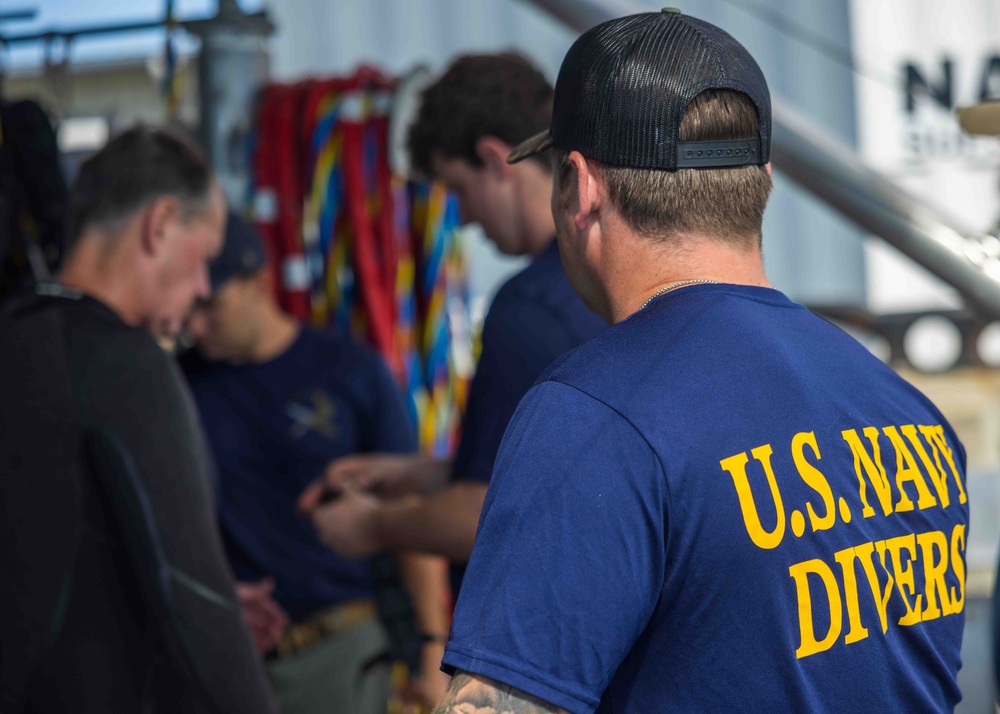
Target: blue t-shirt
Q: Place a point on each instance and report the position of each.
(273, 428)
(535, 318)
(722, 503)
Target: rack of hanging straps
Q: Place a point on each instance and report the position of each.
(356, 247)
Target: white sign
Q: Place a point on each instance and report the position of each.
(918, 60)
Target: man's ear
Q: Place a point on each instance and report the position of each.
(156, 221)
(493, 153)
(767, 167)
(589, 190)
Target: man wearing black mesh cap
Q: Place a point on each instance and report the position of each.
(721, 503)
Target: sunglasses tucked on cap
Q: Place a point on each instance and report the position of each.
(982, 119)
(624, 85)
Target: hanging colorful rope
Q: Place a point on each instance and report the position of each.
(352, 247)
(322, 174)
(460, 360)
(376, 295)
(406, 336)
(383, 208)
(278, 203)
(435, 338)
(265, 208)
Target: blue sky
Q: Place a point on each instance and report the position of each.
(67, 14)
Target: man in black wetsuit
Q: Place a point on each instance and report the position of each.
(116, 594)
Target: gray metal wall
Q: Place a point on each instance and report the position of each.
(811, 254)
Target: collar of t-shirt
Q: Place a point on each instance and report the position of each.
(754, 292)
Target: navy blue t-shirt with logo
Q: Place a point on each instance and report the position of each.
(535, 318)
(722, 503)
(273, 428)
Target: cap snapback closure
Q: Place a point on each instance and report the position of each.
(713, 154)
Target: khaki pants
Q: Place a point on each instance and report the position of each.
(346, 674)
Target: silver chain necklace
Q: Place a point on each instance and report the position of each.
(673, 286)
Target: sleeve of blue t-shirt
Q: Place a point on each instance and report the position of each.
(570, 556)
(390, 429)
(520, 339)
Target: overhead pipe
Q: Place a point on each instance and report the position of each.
(114, 28)
(832, 171)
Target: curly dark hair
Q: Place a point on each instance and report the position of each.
(502, 95)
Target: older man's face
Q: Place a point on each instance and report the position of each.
(190, 245)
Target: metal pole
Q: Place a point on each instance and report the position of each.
(110, 29)
(831, 171)
(232, 67)
(834, 173)
(16, 15)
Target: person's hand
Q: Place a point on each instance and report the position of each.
(388, 475)
(421, 694)
(265, 618)
(349, 524)
(432, 683)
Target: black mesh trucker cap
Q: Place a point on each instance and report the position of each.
(624, 86)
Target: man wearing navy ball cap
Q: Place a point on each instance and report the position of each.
(285, 400)
(722, 503)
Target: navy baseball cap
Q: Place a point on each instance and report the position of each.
(625, 84)
(242, 252)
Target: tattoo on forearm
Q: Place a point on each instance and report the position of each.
(472, 694)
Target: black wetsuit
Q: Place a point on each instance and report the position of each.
(74, 602)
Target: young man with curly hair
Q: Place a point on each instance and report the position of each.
(468, 122)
